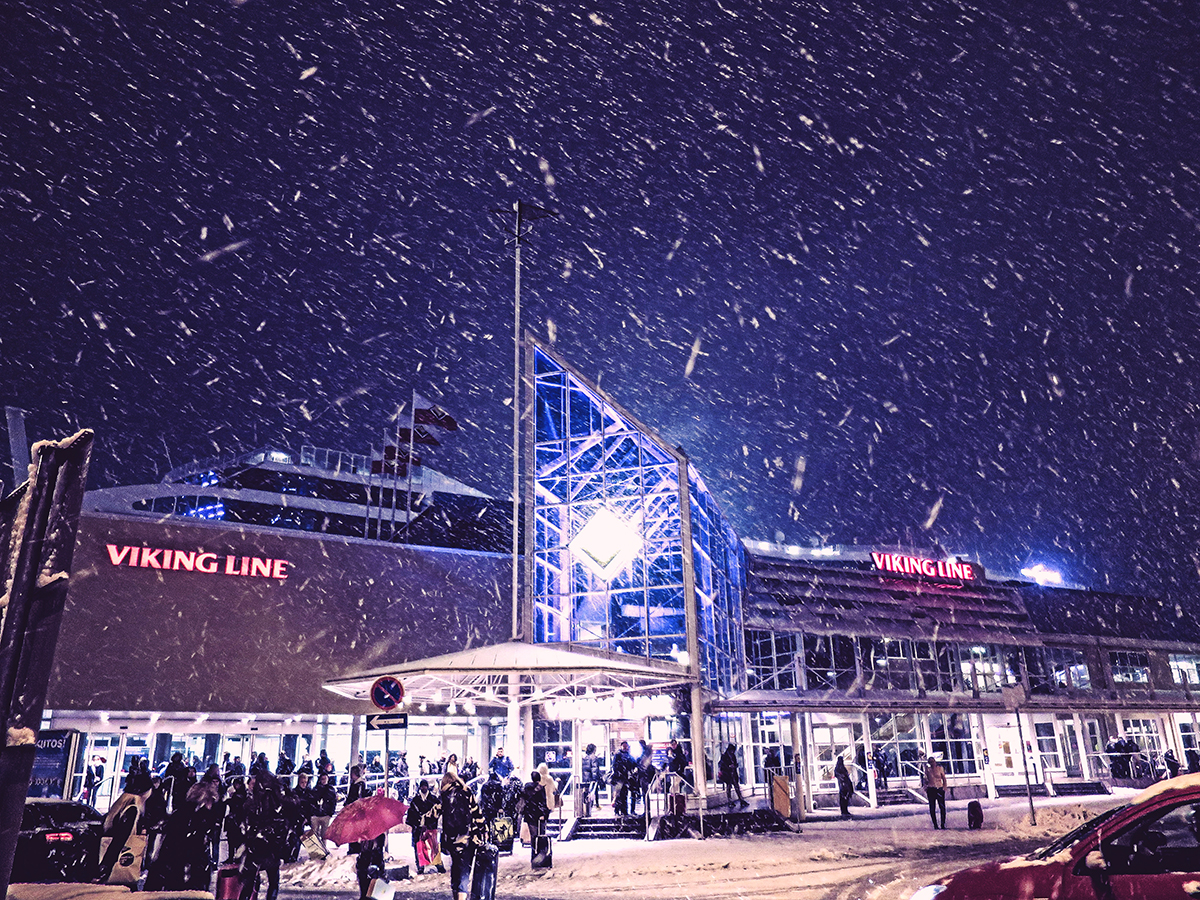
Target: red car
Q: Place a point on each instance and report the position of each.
(1146, 850)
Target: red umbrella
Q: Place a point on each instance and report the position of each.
(365, 819)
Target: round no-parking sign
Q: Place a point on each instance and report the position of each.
(387, 692)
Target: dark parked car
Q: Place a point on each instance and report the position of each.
(59, 841)
(1146, 850)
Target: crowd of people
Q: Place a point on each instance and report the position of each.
(262, 813)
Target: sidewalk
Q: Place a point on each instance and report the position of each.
(886, 851)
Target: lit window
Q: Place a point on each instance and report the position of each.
(606, 543)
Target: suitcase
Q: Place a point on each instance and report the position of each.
(230, 881)
(502, 834)
(483, 879)
(313, 846)
(677, 805)
(543, 852)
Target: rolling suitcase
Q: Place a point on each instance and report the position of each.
(543, 853)
(677, 805)
(313, 845)
(483, 879)
(230, 881)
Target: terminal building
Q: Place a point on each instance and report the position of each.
(248, 605)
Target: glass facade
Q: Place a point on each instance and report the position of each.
(608, 543)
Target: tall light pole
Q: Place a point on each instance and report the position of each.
(524, 215)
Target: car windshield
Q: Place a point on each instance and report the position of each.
(1071, 838)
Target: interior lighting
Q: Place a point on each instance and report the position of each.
(606, 544)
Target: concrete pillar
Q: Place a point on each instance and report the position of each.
(512, 738)
(699, 765)
(799, 767)
(527, 740)
(989, 776)
(355, 738)
(868, 750)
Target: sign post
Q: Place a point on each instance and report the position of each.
(1013, 697)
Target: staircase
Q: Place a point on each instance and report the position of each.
(1019, 790)
(608, 828)
(895, 797)
(1080, 788)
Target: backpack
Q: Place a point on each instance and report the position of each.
(456, 813)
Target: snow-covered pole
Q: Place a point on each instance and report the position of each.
(38, 525)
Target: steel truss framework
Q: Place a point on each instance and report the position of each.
(590, 456)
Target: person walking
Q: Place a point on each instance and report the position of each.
(462, 832)
(535, 811)
(422, 817)
(589, 776)
(727, 775)
(501, 764)
(624, 770)
(266, 834)
(235, 817)
(553, 798)
(175, 775)
(184, 861)
(934, 781)
(845, 785)
(402, 776)
(324, 803)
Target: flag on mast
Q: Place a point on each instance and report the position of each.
(429, 414)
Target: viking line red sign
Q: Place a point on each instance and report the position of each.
(916, 565)
(197, 561)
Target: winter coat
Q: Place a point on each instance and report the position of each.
(624, 768)
(727, 767)
(423, 812)
(678, 761)
(491, 798)
(590, 769)
(535, 811)
(324, 799)
(501, 765)
(462, 819)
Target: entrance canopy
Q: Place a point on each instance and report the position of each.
(529, 674)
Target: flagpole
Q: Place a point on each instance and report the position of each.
(525, 214)
(516, 435)
(412, 437)
(395, 481)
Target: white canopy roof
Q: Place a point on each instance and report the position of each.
(537, 673)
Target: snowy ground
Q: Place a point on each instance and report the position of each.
(874, 856)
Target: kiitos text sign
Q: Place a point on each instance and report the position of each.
(201, 561)
(916, 565)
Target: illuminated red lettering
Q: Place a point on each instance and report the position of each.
(915, 565)
(196, 561)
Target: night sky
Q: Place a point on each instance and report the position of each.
(917, 272)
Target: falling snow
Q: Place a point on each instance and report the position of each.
(921, 273)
